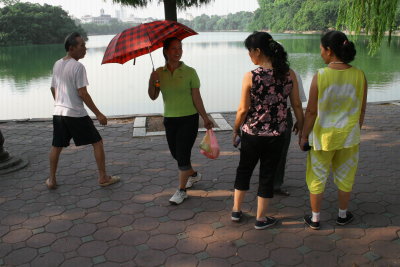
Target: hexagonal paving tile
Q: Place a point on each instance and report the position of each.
(121, 254)
(287, 256)
(92, 248)
(162, 241)
(134, 237)
(150, 258)
(221, 249)
(181, 260)
(252, 252)
(41, 240)
(16, 236)
(107, 233)
(199, 230)
(191, 245)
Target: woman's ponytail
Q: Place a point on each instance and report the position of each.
(273, 50)
(279, 60)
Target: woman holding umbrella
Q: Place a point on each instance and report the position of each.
(179, 85)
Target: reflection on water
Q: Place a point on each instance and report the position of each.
(23, 64)
(219, 58)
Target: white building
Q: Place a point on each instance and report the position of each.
(136, 20)
(102, 19)
(87, 19)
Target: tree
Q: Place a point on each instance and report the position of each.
(9, 2)
(27, 23)
(316, 15)
(200, 23)
(276, 15)
(170, 6)
(375, 17)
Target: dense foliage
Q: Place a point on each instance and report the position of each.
(374, 17)
(295, 15)
(239, 21)
(27, 23)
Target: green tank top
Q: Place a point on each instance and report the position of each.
(340, 96)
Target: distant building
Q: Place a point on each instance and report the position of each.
(87, 19)
(119, 15)
(103, 18)
(136, 20)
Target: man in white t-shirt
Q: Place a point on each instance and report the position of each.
(70, 119)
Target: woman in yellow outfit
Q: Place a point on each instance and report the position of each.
(333, 120)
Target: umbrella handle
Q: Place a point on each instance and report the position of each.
(151, 57)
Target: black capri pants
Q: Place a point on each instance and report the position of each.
(181, 134)
(267, 150)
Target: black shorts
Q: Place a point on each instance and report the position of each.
(81, 129)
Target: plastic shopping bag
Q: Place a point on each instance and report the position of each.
(209, 146)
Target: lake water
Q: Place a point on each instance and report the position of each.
(219, 58)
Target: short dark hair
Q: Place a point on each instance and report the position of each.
(70, 40)
(341, 46)
(272, 49)
(167, 43)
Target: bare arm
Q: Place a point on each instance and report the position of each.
(53, 92)
(154, 91)
(87, 99)
(198, 104)
(243, 105)
(311, 111)
(296, 105)
(364, 103)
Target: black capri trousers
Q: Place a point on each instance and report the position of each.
(268, 150)
(181, 134)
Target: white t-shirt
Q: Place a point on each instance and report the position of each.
(302, 94)
(68, 76)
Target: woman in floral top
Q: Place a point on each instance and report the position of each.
(261, 120)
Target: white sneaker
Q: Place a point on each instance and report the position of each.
(178, 197)
(193, 179)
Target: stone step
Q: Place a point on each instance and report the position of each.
(139, 126)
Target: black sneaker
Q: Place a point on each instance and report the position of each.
(264, 224)
(309, 222)
(344, 221)
(236, 216)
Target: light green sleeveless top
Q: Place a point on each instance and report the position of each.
(340, 95)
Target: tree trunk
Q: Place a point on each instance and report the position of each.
(170, 10)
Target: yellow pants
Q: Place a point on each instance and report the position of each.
(344, 167)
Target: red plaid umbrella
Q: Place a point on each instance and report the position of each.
(143, 39)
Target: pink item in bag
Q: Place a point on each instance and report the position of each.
(209, 146)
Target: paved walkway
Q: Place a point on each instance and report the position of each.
(132, 223)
